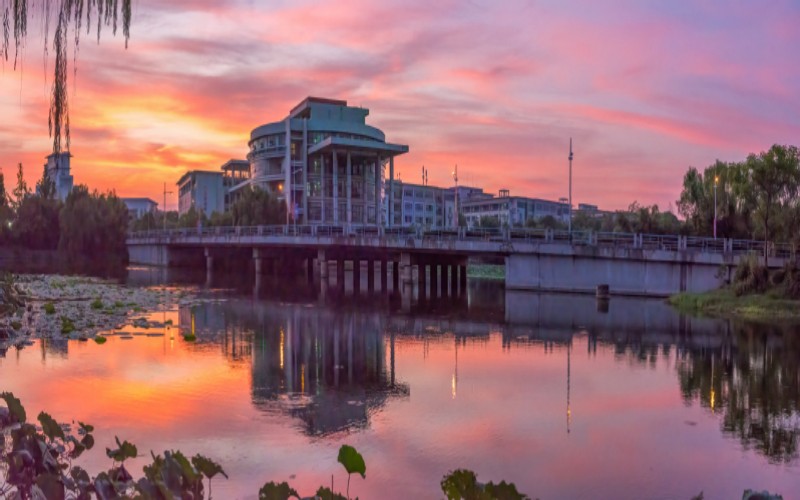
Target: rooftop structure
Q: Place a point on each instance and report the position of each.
(325, 162)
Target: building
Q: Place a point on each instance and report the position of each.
(57, 170)
(235, 174)
(509, 210)
(202, 190)
(326, 163)
(137, 207)
(422, 206)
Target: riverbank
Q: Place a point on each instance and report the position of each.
(80, 308)
(724, 303)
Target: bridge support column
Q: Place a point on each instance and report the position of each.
(258, 261)
(384, 275)
(434, 280)
(310, 269)
(462, 276)
(395, 276)
(209, 265)
(370, 275)
(406, 270)
(323, 265)
(356, 275)
(443, 280)
(453, 280)
(422, 277)
(340, 274)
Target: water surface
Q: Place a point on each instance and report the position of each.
(566, 397)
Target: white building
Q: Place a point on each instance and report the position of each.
(57, 170)
(137, 207)
(509, 210)
(202, 190)
(422, 206)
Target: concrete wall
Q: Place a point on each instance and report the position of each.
(626, 272)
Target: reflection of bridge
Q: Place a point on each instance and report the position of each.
(631, 264)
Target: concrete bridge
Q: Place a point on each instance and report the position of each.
(436, 261)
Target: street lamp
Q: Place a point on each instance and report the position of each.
(716, 182)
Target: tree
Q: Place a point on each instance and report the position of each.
(6, 214)
(69, 17)
(21, 191)
(36, 225)
(257, 207)
(775, 177)
(93, 227)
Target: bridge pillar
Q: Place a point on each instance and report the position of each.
(323, 265)
(453, 280)
(462, 276)
(258, 261)
(356, 275)
(434, 279)
(370, 275)
(395, 275)
(384, 275)
(405, 269)
(443, 279)
(340, 274)
(310, 269)
(422, 278)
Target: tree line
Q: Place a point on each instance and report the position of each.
(86, 228)
(756, 198)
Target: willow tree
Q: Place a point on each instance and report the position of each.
(62, 24)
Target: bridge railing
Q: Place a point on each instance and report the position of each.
(510, 235)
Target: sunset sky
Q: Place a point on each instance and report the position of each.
(645, 88)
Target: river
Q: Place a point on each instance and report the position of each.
(566, 397)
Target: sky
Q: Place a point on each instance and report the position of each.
(645, 88)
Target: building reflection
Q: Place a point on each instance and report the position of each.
(330, 369)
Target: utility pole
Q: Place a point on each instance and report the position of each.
(455, 207)
(165, 206)
(570, 185)
(716, 182)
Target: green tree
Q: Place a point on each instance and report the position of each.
(257, 207)
(36, 224)
(6, 213)
(94, 228)
(21, 190)
(775, 177)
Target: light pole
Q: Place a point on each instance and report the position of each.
(569, 226)
(455, 204)
(716, 182)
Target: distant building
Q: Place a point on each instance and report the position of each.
(137, 207)
(422, 206)
(326, 163)
(57, 170)
(202, 190)
(511, 210)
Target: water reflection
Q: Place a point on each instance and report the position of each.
(562, 392)
(328, 368)
(753, 382)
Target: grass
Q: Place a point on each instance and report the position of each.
(97, 304)
(49, 308)
(724, 303)
(487, 271)
(16, 325)
(67, 326)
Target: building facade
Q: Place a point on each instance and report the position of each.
(202, 190)
(235, 174)
(326, 163)
(507, 210)
(57, 170)
(422, 206)
(137, 207)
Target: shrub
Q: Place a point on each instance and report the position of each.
(750, 277)
(49, 308)
(97, 303)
